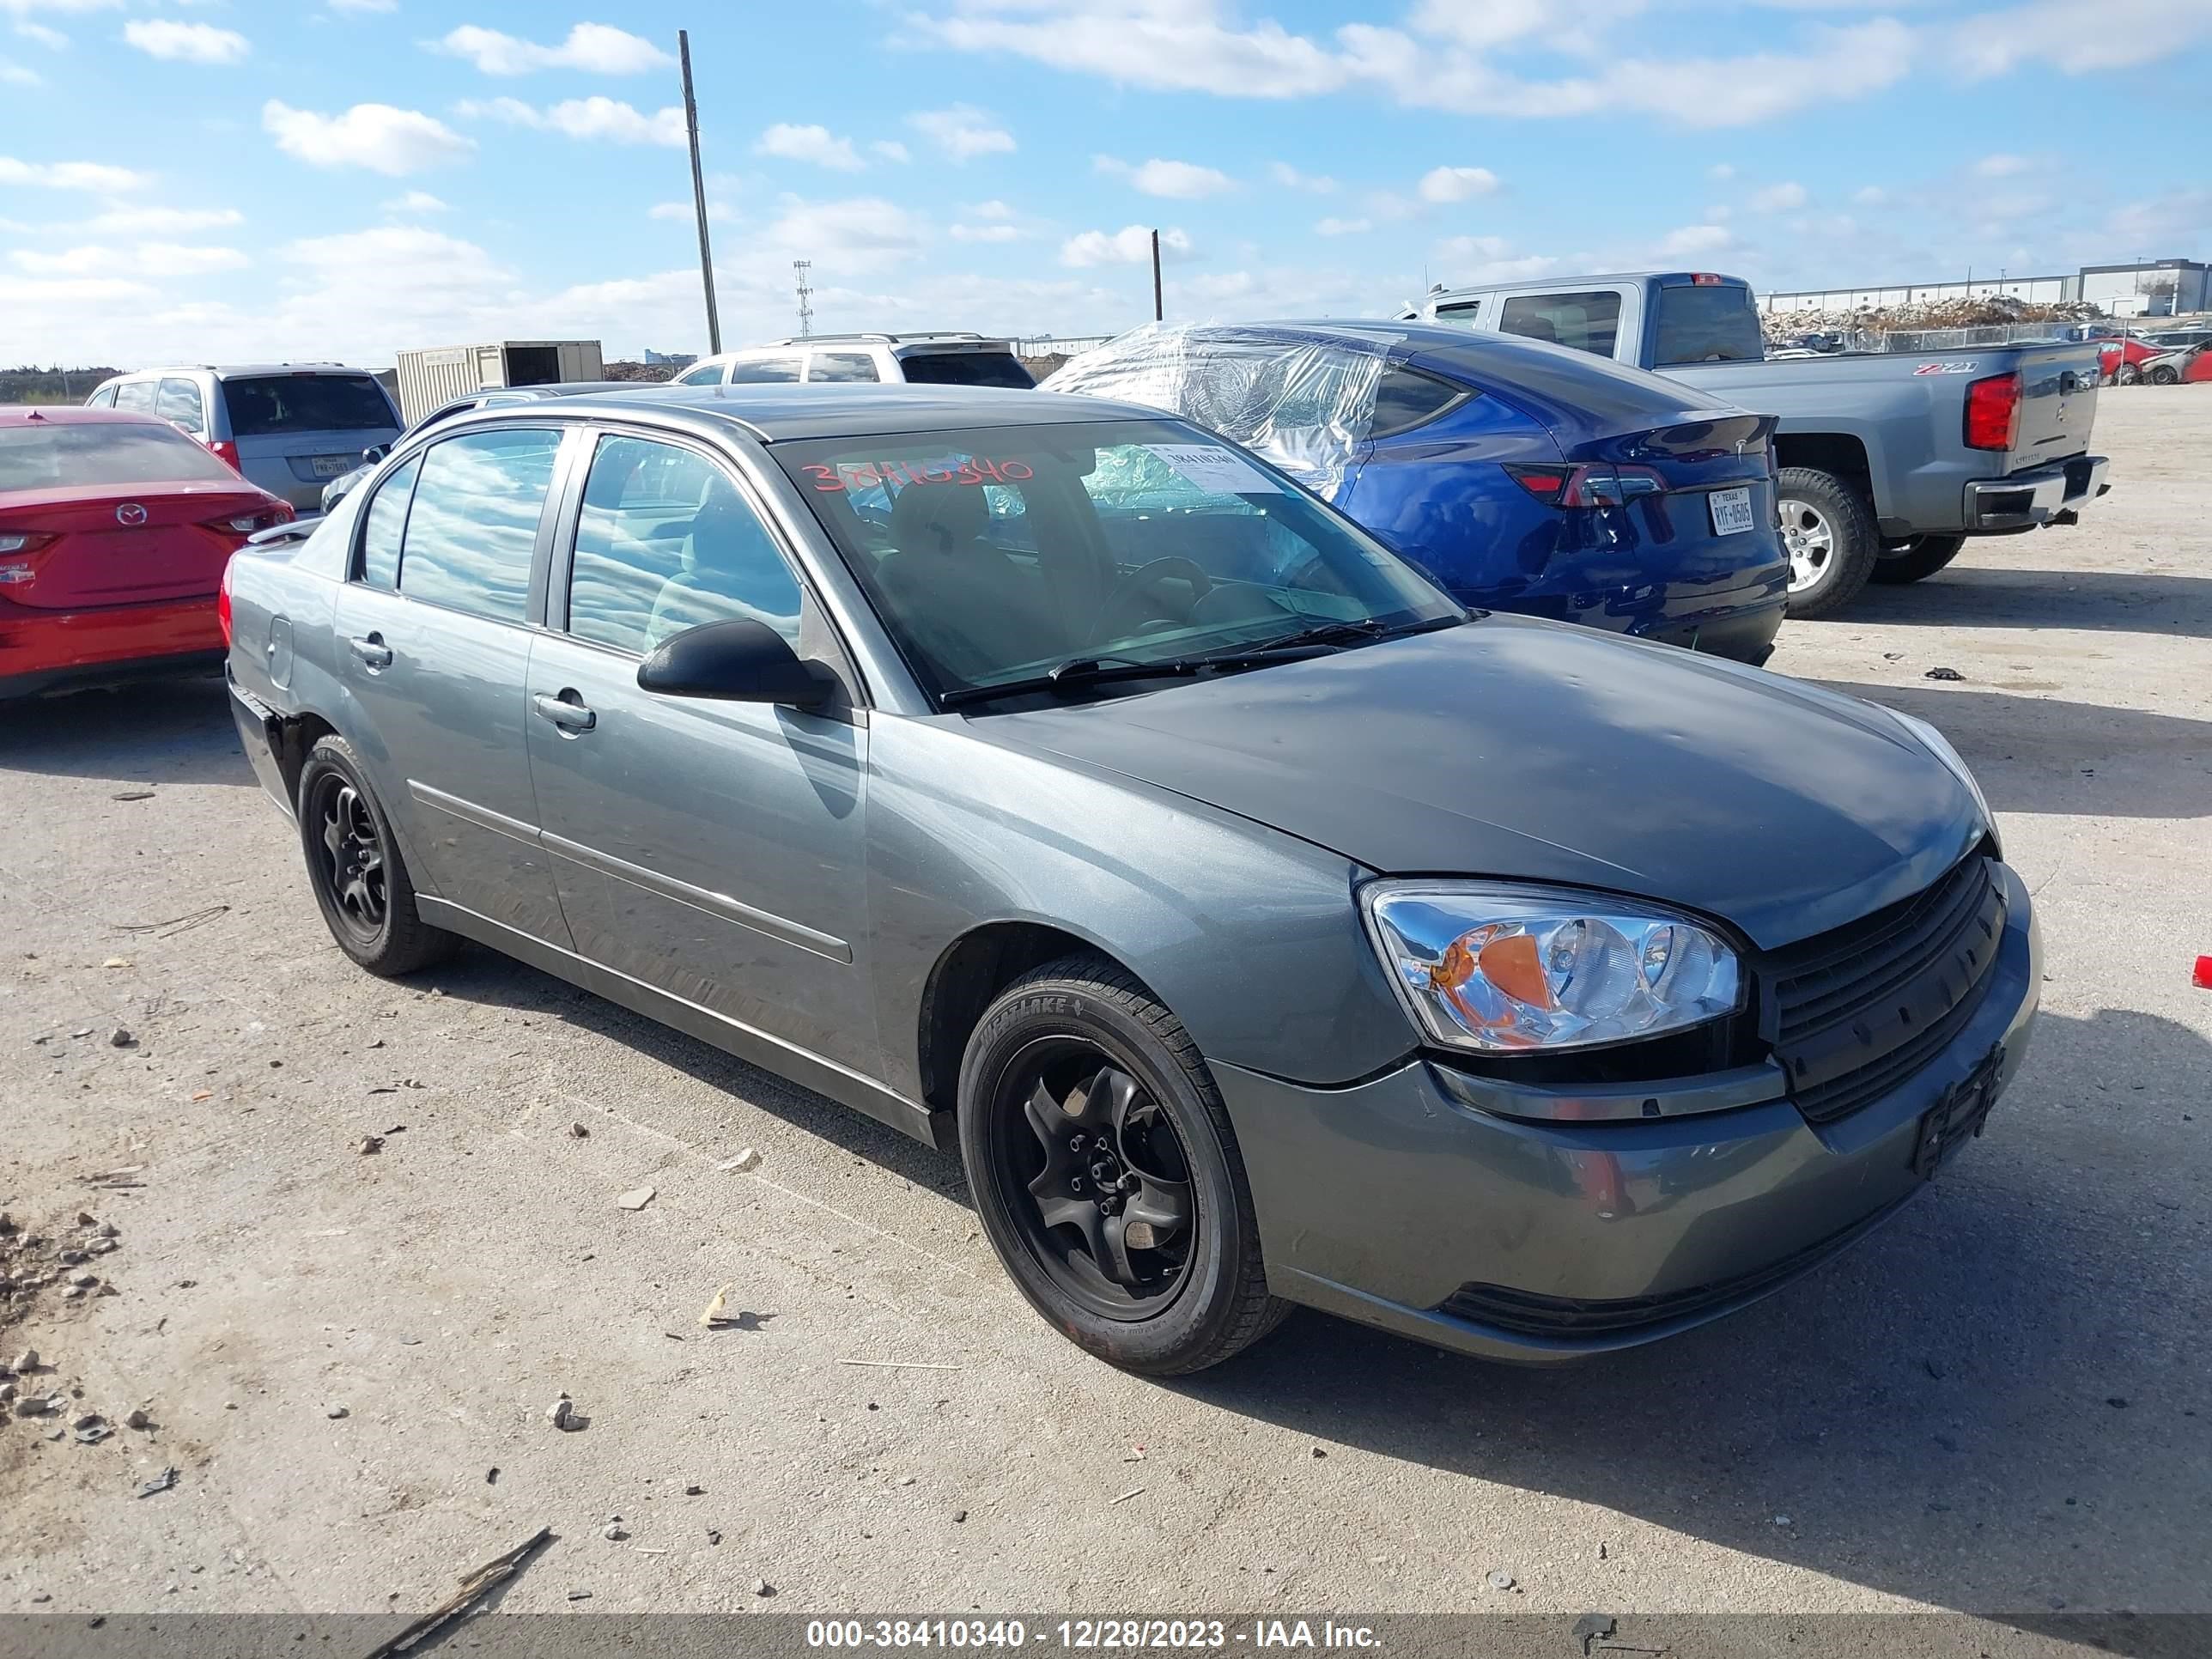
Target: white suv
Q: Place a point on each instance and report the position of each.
(891, 359)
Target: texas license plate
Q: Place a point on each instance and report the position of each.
(332, 466)
(1958, 1116)
(1731, 511)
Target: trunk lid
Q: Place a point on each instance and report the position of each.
(176, 551)
(2058, 403)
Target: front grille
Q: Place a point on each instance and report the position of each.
(1527, 1313)
(1860, 1009)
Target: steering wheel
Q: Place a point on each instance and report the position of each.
(1132, 587)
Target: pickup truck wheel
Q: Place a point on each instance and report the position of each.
(1106, 1173)
(1828, 530)
(354, 865)
(1910, 561)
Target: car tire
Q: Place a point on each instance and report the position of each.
(355, 867)
(1082, 1033)
(2127, 374)
(2163, 374)
(1920, 557)
(1828, 532)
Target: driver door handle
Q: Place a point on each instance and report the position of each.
(566, 711)
(372, 651)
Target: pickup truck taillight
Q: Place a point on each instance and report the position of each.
(1993, 412)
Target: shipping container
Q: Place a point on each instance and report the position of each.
(437, 375)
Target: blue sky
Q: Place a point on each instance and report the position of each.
(346, 178)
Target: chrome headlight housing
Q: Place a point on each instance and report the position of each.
(1940, 746)
(1503, 969)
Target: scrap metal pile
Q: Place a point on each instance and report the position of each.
(1991, 311)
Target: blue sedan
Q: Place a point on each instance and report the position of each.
(1520, 476)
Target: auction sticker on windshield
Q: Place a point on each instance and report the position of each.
(1211, 467)
(1731, 511)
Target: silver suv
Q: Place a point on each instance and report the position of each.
(290, 428)
(890, 358)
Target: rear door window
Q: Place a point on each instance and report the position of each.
(1708, 322)
(1585, 321)
(262, 404)
(965, 369)
(1406, 399)
(472, 529)
(764, 370)
(135, 394)
(843, 365)
(705, 374)
(178, 401)
(382, 524)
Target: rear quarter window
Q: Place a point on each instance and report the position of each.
(1001, 368)
(260, 405)
(1406, 399)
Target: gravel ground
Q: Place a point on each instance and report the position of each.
(1998, 1404)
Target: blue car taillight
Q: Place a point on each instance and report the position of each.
(1588, 486)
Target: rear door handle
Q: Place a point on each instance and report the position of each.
(372, 651)
(566, 711)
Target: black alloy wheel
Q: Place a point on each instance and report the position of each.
(1109, 1216)
(353, 856)
(355, 867)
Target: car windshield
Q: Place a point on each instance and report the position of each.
(86, 454)
(306, 403)
(996, 556)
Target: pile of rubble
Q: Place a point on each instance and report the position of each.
(1994, 311)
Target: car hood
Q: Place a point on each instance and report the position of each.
(1534, 751)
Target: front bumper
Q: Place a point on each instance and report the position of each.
(2051, 494)
(1397, 1203)
(51, 650)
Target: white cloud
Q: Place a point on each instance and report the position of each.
(1180, 181)
(186, 43)
(1525, 268)
(588, 118)
(991, 210)
(1130, 245)
(1719, 212)
(52, 39)
(121, 219)
(1721, 170)
(1343, 227)
(96, 176)
(15, 75)
(1695, 239)
(1777, 198)
(2001, 166)
(814, 144)
(2121, 34)
(1472, 247)
(1291, 178)
(1869, 196)
(863, 232)
(962, 131)
(415, 201)
(377, 136)
(1457, 183)
(891, 150)
(154, 259)
(362, 5)
(594, 48)
(961, 233)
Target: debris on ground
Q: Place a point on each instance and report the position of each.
(24, 1362)
(370, 1144)
(578, 1132)
(762, 1587)
(1501, 1581)
(487, 1578)
(337, 1411)
(161, 1482)
(91, 1429)
(580, 1595)
(903, 1364)
(635, 1198)
(712, 1314)
(1132, 1493)
(748, 1159)
(137, 1418)
(1942, 674)
(117, 962)
(120, 1037)
(615, 1532)
(562, 1415)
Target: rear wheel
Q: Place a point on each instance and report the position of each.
(1828, 530)
(2127, 374)
(1106, 1172)
(2163, 374)
(1910, 561)
(354, 865)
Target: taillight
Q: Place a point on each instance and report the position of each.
(244, 523)
(1993, 412)
(1588, 486)
(24, 541)
(222, 602)
(226, 450)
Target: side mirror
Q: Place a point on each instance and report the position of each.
(737, 661)
(375, 453)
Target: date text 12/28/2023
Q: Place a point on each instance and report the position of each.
(1088, 1634)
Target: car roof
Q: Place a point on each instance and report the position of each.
(223, 371)
(781, 414)
(75, 415)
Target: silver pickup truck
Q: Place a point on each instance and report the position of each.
(1887, 461)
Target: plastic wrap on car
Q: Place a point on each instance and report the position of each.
(1307, 407)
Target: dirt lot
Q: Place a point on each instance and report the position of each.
(1998, 1403)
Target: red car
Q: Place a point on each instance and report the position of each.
(2121, 360)
(114, 530)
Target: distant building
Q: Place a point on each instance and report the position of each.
(676, 359)
(2149, 288)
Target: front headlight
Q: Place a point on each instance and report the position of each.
(1509, 970)
(1940, 746)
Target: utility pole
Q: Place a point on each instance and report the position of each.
(1158, 312)
(806, 297)
(699, 193)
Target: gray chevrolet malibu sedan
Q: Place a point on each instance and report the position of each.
(1054, 782)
